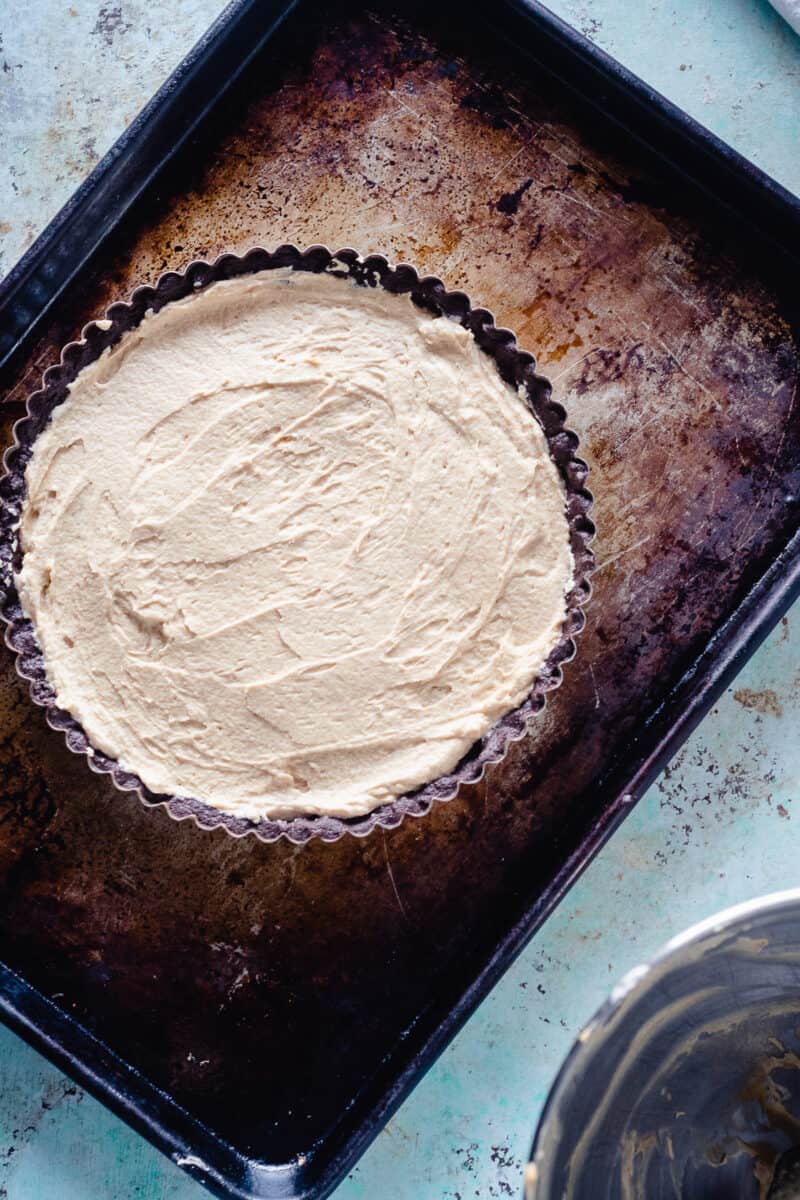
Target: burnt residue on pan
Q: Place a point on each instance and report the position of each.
(265, 985)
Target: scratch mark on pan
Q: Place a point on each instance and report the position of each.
(638, 429)
(594, 685)
(574, 249)
(678, 362)
(508, 163)
(596, 212)
(747, 524)
(513, 102)
(391, 877)
(636, 502)
(574, 149)
(782, 438)
(577, 362)
(362, 208)
(684, 295)
(422, 120)
(292, 865)
(625, 550)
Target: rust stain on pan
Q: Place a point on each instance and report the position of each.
(206, 961)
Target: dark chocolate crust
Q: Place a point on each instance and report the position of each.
(516, 366)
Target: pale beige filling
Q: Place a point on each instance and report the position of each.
(292, 547)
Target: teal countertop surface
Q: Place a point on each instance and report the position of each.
(721, 825)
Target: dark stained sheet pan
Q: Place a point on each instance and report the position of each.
(259, 1010)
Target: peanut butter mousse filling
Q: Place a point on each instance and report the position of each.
(292, 546)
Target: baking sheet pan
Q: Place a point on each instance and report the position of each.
(256, 1010)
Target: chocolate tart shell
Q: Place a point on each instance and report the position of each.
(516, 366)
